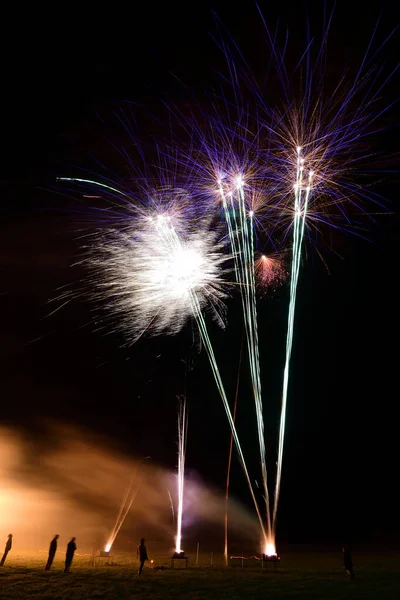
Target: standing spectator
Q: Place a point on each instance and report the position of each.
(348, 562)
(70, 554)
(52, 552)
(142, 555)
(7, 549)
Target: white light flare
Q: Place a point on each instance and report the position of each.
(270, 549)
(239, 182)
(179, 272)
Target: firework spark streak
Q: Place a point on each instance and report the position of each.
(241, 236)
(301, 199)
(91, 182)
(182, 435)
(171, 505)
(126, 504)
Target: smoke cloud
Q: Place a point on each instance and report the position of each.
(71, 483)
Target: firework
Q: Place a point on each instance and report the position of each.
(317, 142)
(283, 174)
(294, 168)
(182, 434)
(156, 273)
(168, 232)
(240, 228)
(270, 273)
(147, 279)
(126, 505)
(302, 192)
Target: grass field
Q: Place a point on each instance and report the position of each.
(299, 576)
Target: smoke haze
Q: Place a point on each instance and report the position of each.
(72, 483)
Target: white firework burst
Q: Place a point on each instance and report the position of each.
(154, 277)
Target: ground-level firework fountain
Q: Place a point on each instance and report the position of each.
(182, 433)
(126, 504)
(270, 551)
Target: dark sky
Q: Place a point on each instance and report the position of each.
(63, 75)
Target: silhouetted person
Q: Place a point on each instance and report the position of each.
(142, 554)
(7, 549)
(70, 554)
(348, 562)
(52, 552)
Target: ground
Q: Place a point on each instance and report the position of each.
(300, 576)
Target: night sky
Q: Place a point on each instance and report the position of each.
(63, 78)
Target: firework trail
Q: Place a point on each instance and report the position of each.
(105, 186)
(240, 228)
(171, 503)
(301, 200)
(182, 436)
(126, 505)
